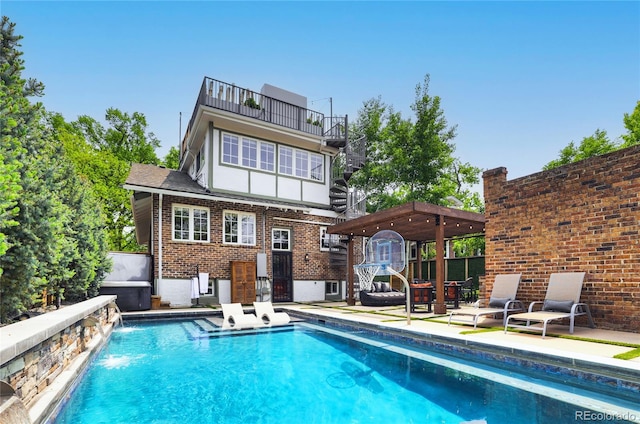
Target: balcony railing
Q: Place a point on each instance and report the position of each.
(231, 98)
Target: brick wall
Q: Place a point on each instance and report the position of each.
(180, 258)
(580, 217)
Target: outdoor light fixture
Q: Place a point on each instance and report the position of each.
(306, 257)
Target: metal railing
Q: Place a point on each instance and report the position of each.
(232, 98)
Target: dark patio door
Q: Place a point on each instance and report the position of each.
(282, 277)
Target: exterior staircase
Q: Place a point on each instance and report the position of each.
(349, 202)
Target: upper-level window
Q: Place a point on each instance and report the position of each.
(190, 223)
(249, 152)
(301, 163)
(267, 157)
(230, 149)
(244, 151)
(239, 228)
(317, 167)
(286, 160)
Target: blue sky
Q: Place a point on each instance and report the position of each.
(519, 79)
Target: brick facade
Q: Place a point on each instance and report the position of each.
(583, 216)
(180, 258)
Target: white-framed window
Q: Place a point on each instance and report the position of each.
(317, 167)
(331, 287)
(327, 240)
(244, 152)
(267, 156)
(249, 153)
(230, 153)
(302, 164)
(190, 223)
(239, 228)
(281, 239)
(286, 160)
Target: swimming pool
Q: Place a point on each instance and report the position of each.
(182, 372)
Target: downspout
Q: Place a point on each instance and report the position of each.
(159, 240)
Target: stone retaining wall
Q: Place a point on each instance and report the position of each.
(34, 352)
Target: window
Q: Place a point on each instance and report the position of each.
(239, 228)
(280, 239)
(302, 164)
(249, 153)
(327, 240)
(267, 157)
(317, 167)
(331, 287)
(286, 160)
(230, 149)
(190, 223)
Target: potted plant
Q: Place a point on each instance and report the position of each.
(250, 102)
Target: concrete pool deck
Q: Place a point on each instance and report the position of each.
(590, 347)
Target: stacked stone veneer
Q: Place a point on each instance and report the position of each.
(40, 359)
(179, 258)
(583, 216)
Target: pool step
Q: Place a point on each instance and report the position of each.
(206, 325)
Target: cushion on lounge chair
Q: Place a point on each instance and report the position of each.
(498, 302)
(502, 301)
(557, 305)
(385, 287)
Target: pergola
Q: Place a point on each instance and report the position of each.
(414, 221)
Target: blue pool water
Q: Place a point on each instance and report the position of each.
(174, 372)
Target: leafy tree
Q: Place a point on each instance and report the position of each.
(596, 144)
(104, 156)
(409, 160)
(599, 143)
(632, 124)
(172, 159)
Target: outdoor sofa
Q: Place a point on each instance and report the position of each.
(381, 294)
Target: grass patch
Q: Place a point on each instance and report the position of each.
(632, 354)
(482, 330)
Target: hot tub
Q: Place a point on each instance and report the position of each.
(132, 295)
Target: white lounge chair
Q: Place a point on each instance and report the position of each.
(235, 317)
(502, 301)
(561, 301)
(265, 312)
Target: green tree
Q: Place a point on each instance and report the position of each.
(104, 157)
(23, 226)
(632, 124)
(599, 143)
(596, 144)
(172, 159)
(409, 160)
(42, 242)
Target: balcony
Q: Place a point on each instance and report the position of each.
(231, 98)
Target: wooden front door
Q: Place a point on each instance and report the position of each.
(282, 277)
(243, 282)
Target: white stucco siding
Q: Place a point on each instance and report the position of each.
(314, 192)
(288, 188)
(263, 184)
(233, 179)
(308, 291)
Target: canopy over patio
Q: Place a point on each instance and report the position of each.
(414, 221)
